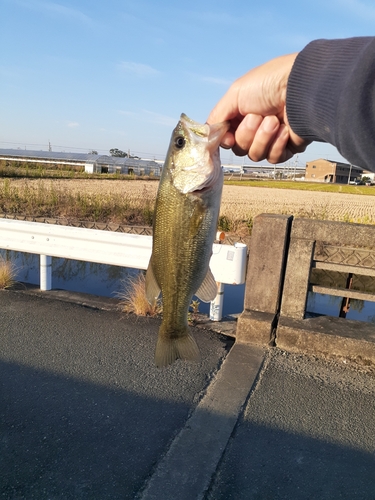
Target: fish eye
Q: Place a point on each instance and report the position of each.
(179, 142)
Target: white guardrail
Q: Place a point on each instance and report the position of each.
(228, 263)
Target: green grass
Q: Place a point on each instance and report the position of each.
(305, 186)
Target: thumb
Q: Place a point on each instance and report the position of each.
(226, 108)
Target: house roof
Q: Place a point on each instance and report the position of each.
(45, 155)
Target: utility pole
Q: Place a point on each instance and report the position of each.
(350, 172)
(295, 166)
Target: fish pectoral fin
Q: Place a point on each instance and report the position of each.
(208, 289)
(152, 287)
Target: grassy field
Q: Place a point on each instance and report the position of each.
(131, 201)
(127, 202)
(305, 186)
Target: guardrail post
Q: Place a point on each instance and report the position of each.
(216, 306)
(45, 272)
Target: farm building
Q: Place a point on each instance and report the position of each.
(330, 171)
(92, 163)
(113, 164)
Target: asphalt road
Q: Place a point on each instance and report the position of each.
(84, 414)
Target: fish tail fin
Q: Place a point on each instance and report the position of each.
(168, 350)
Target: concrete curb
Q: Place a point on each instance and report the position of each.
(227, 326)
(79, 298)
(192, 459)
(328, 336)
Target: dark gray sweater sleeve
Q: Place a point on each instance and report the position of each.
(331, 97)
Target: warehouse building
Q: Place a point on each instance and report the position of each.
(91, 162)
(113, 165)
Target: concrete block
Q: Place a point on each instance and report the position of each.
(254, 327)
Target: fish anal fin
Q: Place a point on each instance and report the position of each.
(168, 350)
(208, 289)
(152, 287)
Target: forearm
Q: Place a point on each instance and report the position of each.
(331, 96)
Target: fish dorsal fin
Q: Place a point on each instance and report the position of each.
(152, 287)
(208, 289)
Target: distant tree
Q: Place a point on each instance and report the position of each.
(93, 152)
(118, 153)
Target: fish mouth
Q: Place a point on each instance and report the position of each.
(211, 134)
(199, 167)
(204, 189)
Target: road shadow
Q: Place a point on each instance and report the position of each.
(270, 464)
(65, 438)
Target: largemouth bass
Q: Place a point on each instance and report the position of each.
(185, 223)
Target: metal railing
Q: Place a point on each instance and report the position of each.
(228, 262)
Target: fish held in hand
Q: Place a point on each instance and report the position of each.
(185, 222)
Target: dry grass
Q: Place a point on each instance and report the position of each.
(133, 298)
(241, 204)
(8, 273)
(132, 202)
(78, 200)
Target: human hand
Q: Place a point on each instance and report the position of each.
(255, 104)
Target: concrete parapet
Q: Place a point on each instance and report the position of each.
(297, 278)
(265, 275)
(336, 233)
(345, 250)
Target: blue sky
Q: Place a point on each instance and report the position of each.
(86, 75)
